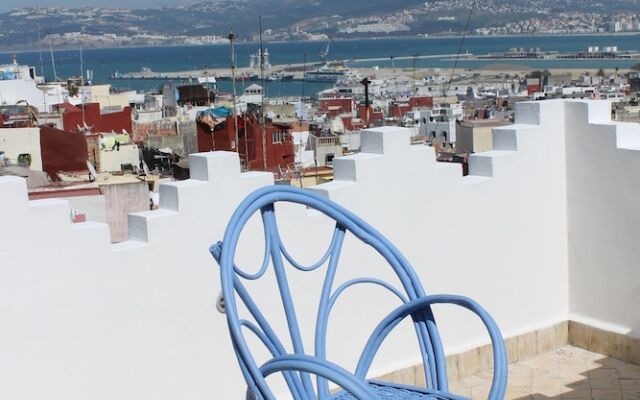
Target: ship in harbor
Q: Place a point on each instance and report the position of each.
(280, 77)
(325, 74)
(591, 53)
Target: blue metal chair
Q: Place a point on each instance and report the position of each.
(298, 366)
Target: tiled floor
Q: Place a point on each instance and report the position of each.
(565, 373)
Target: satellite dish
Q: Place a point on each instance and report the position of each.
(92, 171)
(145, 168)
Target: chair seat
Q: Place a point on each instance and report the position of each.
(390, 391)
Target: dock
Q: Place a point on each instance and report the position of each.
(245, 73)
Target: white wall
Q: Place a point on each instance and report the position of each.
(603, 160)
(112, 160)
(136, 320)
(16, 141)
(13, 91)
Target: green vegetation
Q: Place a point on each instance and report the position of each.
(537, 74)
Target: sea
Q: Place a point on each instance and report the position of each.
(106, 61)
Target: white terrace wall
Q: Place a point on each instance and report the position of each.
(85, 319)
(603, 170)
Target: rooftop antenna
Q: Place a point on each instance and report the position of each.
(395, 78)
(262, 112)
(300, 167)
(464, 35)
(93, 175)
(232, 36)
(53, 61)
(145, 169)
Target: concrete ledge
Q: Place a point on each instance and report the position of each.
(528, 345)
(612, 344)
(480, 359)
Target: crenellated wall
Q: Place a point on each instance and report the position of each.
(82, 318)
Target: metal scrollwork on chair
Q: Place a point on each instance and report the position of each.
(298, 366)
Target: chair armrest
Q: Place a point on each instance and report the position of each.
(500, 361)
(323, 368)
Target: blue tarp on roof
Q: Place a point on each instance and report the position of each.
(218, 112)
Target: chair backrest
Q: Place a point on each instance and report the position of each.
(232, 278)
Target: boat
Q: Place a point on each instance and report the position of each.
(249, 77)
(279, 77)
(324, 74)
(207, 80)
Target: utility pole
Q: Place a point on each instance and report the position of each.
(53, 61)
(395, 78)
(233, 80)
(81, 92)
(366, 82)
(262, 112)
(414, 74)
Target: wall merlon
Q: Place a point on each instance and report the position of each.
(147, 225)
(627, 136)
(174, 194)
(13, 194)
(215, 165)
(385, 140)
(597, 112)
(54, 211)
(528, 113)
(506, 138)
(488, 163)
(348, 168)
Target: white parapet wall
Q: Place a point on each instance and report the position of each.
(603, 174)
(82, 318)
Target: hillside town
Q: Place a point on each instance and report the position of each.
(113, 27)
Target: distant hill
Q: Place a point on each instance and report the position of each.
(299, 20)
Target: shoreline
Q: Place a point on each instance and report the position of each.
(412, 37)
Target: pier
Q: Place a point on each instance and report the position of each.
(246, 73)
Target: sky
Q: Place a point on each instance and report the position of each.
(8, 5)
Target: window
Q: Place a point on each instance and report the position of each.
(328, 158)
(276, 137)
